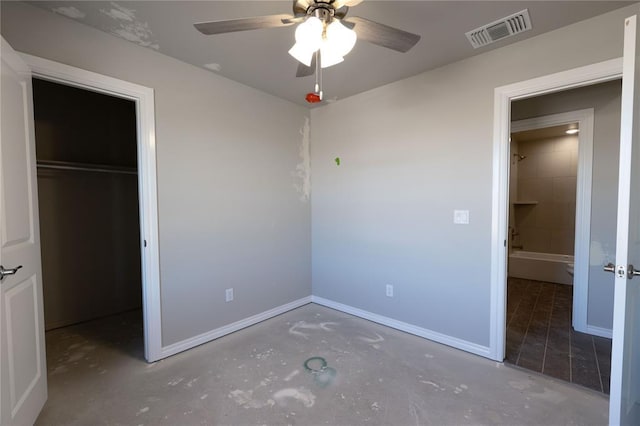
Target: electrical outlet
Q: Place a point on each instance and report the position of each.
(389, 290)
(228, 295)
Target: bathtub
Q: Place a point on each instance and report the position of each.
(540, 266)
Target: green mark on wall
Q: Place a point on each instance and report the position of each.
(337, 160)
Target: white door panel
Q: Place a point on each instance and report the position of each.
(24, 348)
(624, 400)
(15, 202)
(23, 385)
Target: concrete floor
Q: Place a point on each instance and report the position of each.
(373, 375)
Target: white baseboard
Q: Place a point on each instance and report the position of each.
(230, 328)
(464, 345)
(599, 331)
(200, 339)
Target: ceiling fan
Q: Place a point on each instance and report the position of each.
(324, 34)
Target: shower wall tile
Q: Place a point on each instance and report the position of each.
(526, 216)
(574, 161)
(546, 215)
(538, 189)
(564, 189)
(566, 143)
(536, 239)
(547, 175)
(528, 168)
(566, 216)
(537, 146)
(555, 163)
(562, 241)
(571, 212)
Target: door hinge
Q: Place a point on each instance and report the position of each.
(145, 243)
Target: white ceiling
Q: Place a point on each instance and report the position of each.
(259, 58)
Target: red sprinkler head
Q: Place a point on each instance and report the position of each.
(313, 98)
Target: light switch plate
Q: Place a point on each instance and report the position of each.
(461, 217)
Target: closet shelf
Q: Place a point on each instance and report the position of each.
(86, 167)
(525, 203)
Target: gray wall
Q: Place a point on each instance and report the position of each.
(412, 152)
(605, 100)
(230, 214)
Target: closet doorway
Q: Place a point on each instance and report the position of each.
(143, 98)
(86, 150)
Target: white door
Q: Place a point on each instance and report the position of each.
(23, 374)
(624, 403)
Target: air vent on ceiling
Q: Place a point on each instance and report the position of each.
(502, 28)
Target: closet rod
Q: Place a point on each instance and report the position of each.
(99, 168)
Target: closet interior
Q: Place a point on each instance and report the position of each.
(86, 150)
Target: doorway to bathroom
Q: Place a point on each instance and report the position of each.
(563, 164)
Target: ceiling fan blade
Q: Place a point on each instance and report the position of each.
(304, 71)
(294, 19)
(300, 7)
(339, 3)
(341, 12)
(383, 35)
(244, 24)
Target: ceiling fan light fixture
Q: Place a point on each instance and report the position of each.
(323, 30)
(338, 41)
(302, 54)
(328, 56)
(308, 40)
(310, 32)
(340, 38)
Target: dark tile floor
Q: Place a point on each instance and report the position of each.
(540, 336)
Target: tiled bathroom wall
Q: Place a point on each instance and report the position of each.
(545, 207)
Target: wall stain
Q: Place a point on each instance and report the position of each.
(303, 169)
(70, 12)
(130, 28)
(213, 67)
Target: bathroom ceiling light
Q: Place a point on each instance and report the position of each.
(572, 131)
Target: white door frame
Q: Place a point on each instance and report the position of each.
(577, 77)
(584, 118)
(147, 187)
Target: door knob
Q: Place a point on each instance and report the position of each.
(609, 267)
(631, 272)
(5, 272)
